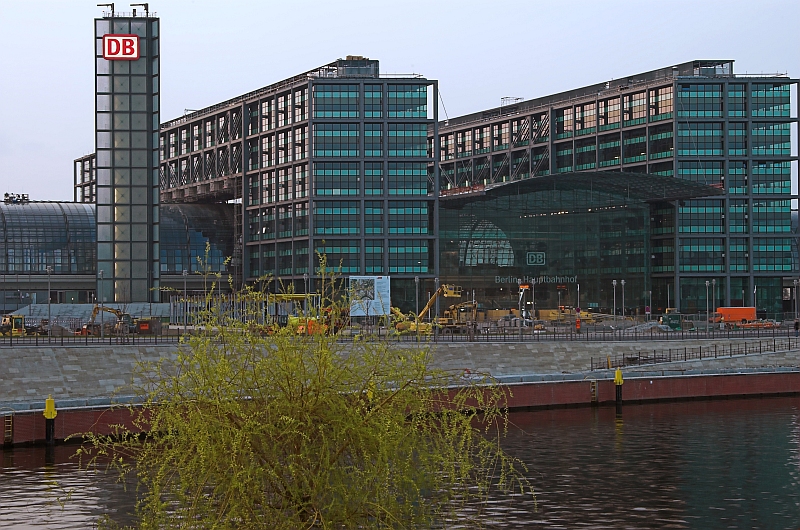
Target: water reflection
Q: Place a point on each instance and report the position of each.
(41, 488)
(704, 465)
(715, 464)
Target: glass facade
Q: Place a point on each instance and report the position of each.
(35, 236)
(695, 121)
(188, 230)
(365, 187)
(559, 238)
(127, 144)
(331, 160)
(64, 236)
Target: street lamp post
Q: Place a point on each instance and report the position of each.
(305, 290)
(102, 299)
(623, 299)
(795, 281)
(416, 306)
(650, 304)
(559, 306)
(714, 295)
(49, 318)
(185, 301)
(436, 316)
(579, 299)
(707, 284)
(614, 283)
(521, 316)
(533, 299)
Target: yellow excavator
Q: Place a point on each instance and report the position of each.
(457, 316)
(122, 326)
(412, 322)
(14, 326)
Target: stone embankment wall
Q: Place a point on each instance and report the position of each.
(93, 376)
(86, 381)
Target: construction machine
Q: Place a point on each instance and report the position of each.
(402, 321)
(306, 325)
(458, 316)
(14, 326)
(123, 326)
(412, 322)
(304, 314)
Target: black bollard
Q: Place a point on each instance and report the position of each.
(50, 431)
(618, 385)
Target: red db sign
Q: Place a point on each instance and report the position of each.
(121, 47)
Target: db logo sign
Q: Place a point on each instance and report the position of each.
(121, 47)
(536, 259)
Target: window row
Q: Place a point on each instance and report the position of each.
(339, 179)
(706, 100)
(758, 216)
(404, 256)
(344, 101)
(343, 140)
(711, 255)
(400, 217)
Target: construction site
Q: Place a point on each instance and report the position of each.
(449, 312)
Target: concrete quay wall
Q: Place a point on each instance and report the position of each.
(87, 382)
(93, 376)
(29, 426)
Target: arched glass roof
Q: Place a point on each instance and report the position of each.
(644, 187)
(63, 235)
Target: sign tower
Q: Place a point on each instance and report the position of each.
(127, 120)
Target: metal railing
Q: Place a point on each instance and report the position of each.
(495, 335)
(697, 353)
(87, 340)
(513, 335)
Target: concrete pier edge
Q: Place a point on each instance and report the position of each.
(90, 386)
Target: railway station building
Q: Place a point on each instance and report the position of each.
(664, 180)
(695, 122)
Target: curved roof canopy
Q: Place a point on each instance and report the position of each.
(638, 186)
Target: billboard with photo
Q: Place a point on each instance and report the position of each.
(369, 296)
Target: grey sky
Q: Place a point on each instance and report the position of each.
(479, 52)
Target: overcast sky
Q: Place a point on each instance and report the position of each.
(479, 52)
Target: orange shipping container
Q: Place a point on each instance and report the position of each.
(735, 315)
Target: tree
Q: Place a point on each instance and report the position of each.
(259, 430)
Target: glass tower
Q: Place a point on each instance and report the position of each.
(127, 189)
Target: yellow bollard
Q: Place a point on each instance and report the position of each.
(50, 414)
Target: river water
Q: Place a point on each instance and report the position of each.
(700, 464)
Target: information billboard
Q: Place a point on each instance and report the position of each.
(369, 296)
